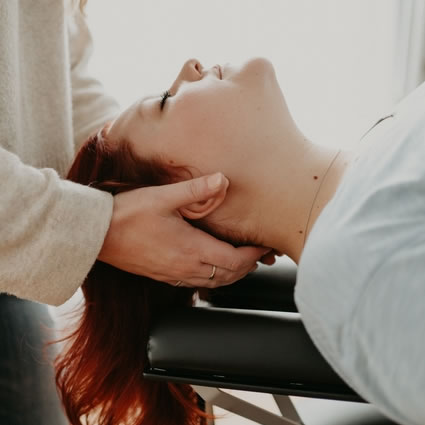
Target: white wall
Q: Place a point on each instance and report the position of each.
(334, 58)
(409, 49)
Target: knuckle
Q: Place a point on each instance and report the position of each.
(236, 265)
(190, 252)
(227, 279)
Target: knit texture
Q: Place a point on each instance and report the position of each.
(51, 230)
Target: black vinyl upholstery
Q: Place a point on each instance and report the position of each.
(251, 338)
(269, 288)
(248, 340)
(243, 349)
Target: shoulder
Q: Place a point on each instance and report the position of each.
(360, 283)
(376, 211)
(383, 188)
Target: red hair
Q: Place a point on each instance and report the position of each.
(101, 369)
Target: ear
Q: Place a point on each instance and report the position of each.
(201, 209)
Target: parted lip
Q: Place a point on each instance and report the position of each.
(220, 74)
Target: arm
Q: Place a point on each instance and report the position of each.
(51, 231)
(92, 107)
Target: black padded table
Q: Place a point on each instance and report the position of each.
(242, 349)
(250, 337)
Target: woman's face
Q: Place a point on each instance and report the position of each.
(212, 118)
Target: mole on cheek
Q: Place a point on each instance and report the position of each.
(300, 232)
(315, 177)
(171, 161)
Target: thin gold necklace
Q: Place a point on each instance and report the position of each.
(317, 193)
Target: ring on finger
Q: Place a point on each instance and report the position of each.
(214, 268)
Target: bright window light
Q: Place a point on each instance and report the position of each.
(334, 58)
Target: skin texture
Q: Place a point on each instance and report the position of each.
(234, 119)
(148, 237)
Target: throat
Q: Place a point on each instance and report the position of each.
(292, 212)
(316, 196)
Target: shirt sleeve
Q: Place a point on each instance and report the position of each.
(92, 106)
(51, 231)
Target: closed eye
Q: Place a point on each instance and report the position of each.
(164, 97)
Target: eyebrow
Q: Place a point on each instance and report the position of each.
(141, 101)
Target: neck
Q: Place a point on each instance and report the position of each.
(311, 175)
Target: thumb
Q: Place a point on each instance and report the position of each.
(195, 190)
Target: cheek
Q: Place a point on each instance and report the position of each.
(196, 117)
(205, 129)
(210, 114)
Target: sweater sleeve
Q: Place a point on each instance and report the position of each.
(92, 107)
(51, 231)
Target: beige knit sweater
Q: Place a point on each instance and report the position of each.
(51, 230)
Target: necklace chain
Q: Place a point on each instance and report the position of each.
(316, 195)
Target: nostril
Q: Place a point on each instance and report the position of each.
(198, 67)
(192, 70)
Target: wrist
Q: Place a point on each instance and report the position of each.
(107, 249)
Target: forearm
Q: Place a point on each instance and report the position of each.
(52, 231)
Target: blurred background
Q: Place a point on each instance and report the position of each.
(341, 64)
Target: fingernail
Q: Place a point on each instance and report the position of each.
(215, 181)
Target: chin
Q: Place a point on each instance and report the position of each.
(250, 69)
(260, 66)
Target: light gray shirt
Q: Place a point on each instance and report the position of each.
(361, 278)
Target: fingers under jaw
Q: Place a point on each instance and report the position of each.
(237, 259)
(269, 259)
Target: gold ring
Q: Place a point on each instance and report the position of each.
(213, 273)
(178, 283)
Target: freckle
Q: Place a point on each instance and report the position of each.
(171, 161)
(300, 232)
(315, 177)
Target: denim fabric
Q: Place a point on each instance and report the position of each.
(27, 390)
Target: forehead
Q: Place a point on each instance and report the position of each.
(140, 113)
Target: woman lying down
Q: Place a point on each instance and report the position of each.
(353, 220)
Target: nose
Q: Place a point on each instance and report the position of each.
(192, 70)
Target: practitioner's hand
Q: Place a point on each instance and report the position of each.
(270, 257)
(148, 236)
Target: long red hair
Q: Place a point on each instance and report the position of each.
(101, 370)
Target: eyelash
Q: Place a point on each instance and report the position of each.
(164, 97)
